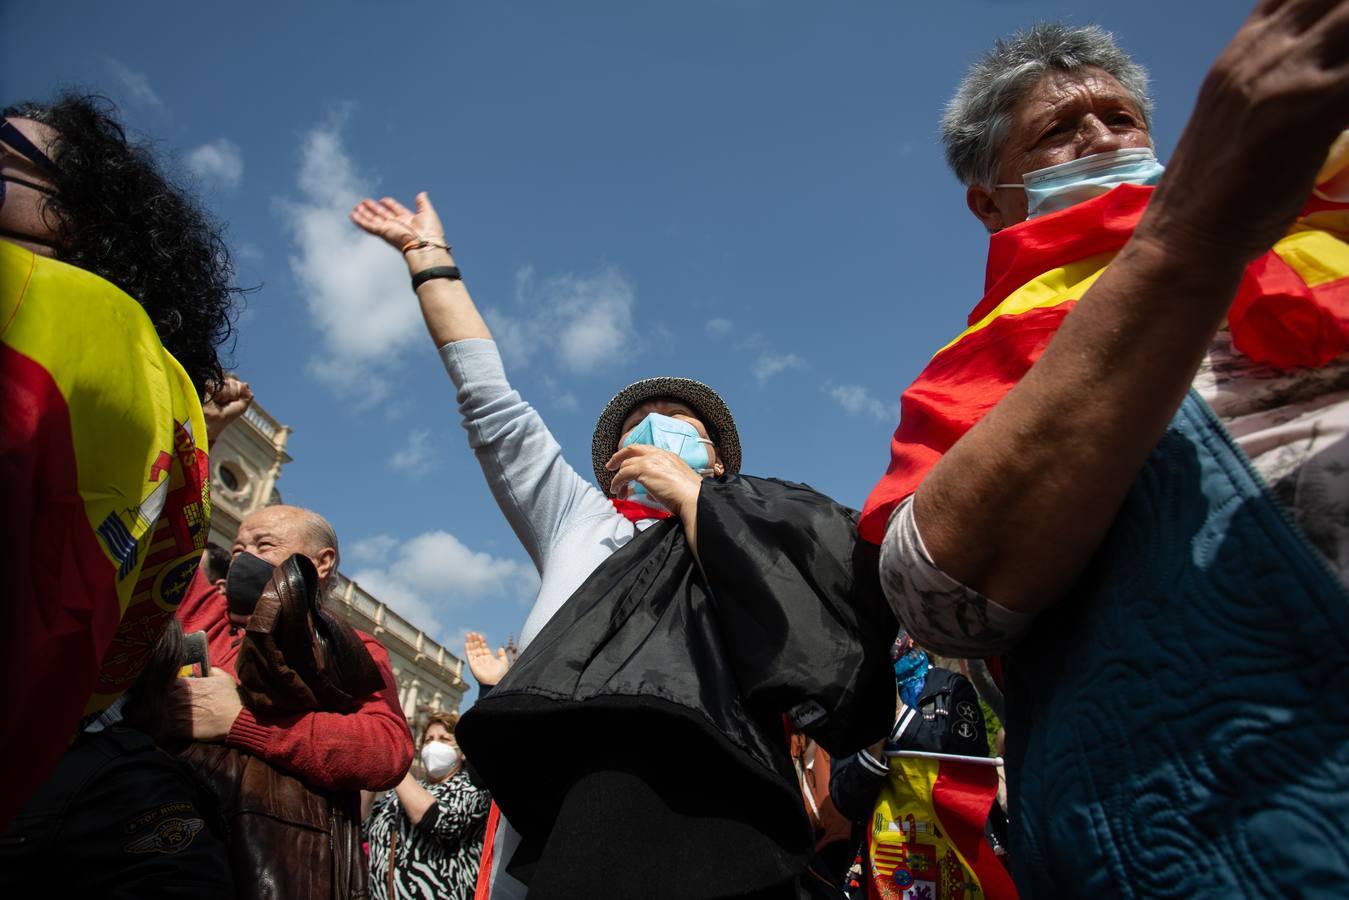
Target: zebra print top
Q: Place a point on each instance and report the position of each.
(436, 859)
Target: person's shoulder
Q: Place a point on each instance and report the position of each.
(372, 644)
(784, 489)
(138, 783)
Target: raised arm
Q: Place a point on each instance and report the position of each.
(448, 309)
(539, 493)
(1019, 505)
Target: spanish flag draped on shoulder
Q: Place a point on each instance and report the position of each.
(1292, 310)
(105, 507)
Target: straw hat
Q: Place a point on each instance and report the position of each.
(710, 409)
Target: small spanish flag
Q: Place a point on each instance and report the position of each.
(925, 840)
(1291, 310)
(105, 506)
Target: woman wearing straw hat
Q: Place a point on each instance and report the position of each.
(684, 611)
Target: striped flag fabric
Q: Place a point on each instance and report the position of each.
(1291, 310)
(106, 507)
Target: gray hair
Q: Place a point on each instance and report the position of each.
(978, 117)
(321, 535)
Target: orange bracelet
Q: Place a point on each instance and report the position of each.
(422, 243)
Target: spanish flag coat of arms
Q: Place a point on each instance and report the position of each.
(105, 507)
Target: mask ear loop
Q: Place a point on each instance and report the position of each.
(706, 473)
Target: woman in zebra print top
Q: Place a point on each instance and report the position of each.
(426, 836)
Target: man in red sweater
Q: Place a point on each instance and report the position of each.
(370, 748)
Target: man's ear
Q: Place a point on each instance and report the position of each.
(718, 469)
(985, 208)
(324, 561)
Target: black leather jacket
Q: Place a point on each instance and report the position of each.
(119, 818)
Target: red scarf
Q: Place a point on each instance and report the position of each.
(635, 512)
(1291, 310)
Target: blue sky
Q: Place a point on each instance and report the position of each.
(746, 192)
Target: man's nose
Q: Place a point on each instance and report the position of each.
(1097, 137)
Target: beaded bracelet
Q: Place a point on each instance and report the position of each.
(423, 243)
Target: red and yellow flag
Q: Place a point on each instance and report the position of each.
(926, 837)
(1291, 310)
(105, 506)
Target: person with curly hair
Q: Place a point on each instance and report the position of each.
(115, 295)
(102, 203)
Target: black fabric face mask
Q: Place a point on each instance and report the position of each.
(248, 577)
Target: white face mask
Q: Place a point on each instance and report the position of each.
(1060, 186)
(439, 758)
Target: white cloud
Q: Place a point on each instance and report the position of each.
(769, 364)
(136, 85)
(354, 285)
(564, 399)
(584, 322)
(857, 401)
(373, 549)
(428, 578)
(719, 328)
(416, 456)
(218, 162)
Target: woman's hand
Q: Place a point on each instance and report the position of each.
(449, 311)
(665, 476)
(395, 224)
(488, 669)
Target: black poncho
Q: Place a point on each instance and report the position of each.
(638, 744)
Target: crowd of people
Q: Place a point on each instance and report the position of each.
(1083, 639)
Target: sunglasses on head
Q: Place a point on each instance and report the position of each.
(14, 139)
(26, 148)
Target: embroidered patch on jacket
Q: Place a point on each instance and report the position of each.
(166, 829)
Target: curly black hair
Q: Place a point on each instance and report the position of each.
(121, 218)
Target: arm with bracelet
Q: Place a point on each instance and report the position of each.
(519, 457)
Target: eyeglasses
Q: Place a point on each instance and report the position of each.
(26, 148)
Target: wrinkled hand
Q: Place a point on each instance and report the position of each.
(665, 476)
(396, 224)
(228, 403)
(488, 669)
(1274, 101)
(203, 709)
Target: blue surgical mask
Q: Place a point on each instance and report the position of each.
(675, 435)
(1067, 184)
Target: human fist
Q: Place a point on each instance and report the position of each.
(227, 403)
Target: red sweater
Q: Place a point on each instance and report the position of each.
(369, 748)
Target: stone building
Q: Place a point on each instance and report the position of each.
(246, 462)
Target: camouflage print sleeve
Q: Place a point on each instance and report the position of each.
(940, 613)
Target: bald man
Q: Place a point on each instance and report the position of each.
(369, 748)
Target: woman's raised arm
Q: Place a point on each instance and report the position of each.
(446, 306)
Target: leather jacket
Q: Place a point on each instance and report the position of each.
(288, 839)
